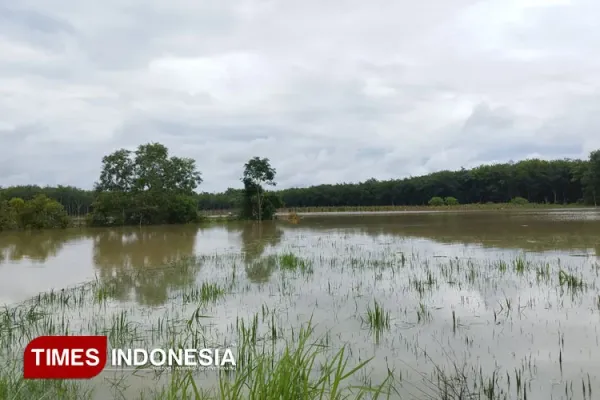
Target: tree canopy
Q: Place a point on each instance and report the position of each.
(145, 187)
(256, 204)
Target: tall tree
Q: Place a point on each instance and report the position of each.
(257, 172)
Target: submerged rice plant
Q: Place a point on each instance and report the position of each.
(291, 262)
(377, 317)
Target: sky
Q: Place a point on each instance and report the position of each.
(329, 91)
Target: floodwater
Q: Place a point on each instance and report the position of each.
(511, 296)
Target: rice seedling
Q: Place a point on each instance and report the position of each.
(570, 281)
(377, 317)
(520, 265)
(543, 272)
(291, 262)
(204, 294)
(501, 265)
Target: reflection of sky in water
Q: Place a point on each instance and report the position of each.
(352, 267)
(527, 334)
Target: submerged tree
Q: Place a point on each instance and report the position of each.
(146, 187)
(258, 204)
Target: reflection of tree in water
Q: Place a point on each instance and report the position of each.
(255, 239)
(36, 246)
(149, 262)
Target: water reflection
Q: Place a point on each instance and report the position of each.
(118, 256)
(255, 238)
(529, 231)
(36, 246)
(133, 261)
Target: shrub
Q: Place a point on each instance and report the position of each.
(436, 201)
(41, 212)
(451, 201)
(519, 201)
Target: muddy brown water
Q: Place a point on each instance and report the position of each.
(422, 267)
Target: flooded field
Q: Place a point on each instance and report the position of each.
(502, 305)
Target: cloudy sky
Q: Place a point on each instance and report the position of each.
(330, 91)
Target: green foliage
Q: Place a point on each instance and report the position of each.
(519, 201)
(8, 216)
(256, 203)
(230, 199)
(149, 168)
(436, 201)
(590, 177)
(75, 201)
(40, 212)
(537, 181)
(145, 187)
(451, 201)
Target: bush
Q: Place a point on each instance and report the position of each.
(182, 209)
(451, 201)
(41, 212)
(436, 201)
(8, 216)
(519, 201)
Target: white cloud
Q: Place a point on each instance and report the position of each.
(328, 92)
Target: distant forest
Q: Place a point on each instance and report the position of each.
(538, 181)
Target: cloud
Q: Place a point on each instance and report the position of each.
(330, 94)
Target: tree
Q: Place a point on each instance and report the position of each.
(146, 187)
(257, 172)
(591, 177)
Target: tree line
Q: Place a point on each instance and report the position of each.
(75, 201)
(537, 181)
(149, 186)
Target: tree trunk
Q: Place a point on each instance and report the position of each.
(259, 205)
